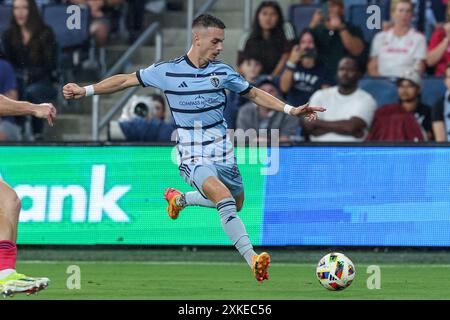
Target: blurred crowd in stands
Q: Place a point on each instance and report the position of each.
(388, 83)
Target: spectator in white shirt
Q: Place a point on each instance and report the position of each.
(400, 48)
(350, 110)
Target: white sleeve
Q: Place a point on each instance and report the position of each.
(376, 43)
(365, 109)
(421, 49)
(316, 100)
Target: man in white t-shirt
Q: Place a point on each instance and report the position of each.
(400, 48)
(350, 110)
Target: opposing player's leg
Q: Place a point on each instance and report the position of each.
(12, 282)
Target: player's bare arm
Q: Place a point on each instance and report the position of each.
(109, 85)
(264, 99)
(9, 107)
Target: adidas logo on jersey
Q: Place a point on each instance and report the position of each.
(183, 85)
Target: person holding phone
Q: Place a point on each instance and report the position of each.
(335, 38)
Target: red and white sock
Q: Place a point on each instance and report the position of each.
(8, 254)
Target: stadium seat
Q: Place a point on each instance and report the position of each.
(358, 17)
(5, 17)
(300, 16)
(433, 89)
(349, 3)
(55, 16)
(383, 90)
(72, 43)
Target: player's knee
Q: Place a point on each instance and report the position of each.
(10, 203)
(17, 205)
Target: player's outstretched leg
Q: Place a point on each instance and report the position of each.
(177, 201)
(12, 282)
(260, 264)
(234, 227)
(174, 202)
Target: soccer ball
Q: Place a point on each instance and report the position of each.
(335, 271)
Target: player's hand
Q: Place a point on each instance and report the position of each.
(309, 112)
(45, 111)
(73, 91)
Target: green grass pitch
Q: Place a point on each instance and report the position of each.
(221, 274)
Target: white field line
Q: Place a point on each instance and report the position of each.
(426, 265)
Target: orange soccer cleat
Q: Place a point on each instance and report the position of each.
(260, 264)
(173, 209)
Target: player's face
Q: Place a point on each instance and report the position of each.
(20, 11)
(268, 18)
(407, 91)
(403, 14)
(347, 74)
(211, 43)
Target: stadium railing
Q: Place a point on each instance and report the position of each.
(97, 124)
(154, 28)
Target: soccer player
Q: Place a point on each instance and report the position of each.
(12, 282)
(194, 85)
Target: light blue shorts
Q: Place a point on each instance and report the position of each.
(228, 173)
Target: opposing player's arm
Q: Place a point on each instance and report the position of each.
(9, 107)
(264, 99)
(109, 85)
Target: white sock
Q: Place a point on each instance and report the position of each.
(6, 272)
(194, 198)
(235, 229)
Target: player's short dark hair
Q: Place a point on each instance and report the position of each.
(207, 20)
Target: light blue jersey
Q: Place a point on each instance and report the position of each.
(197, 98)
